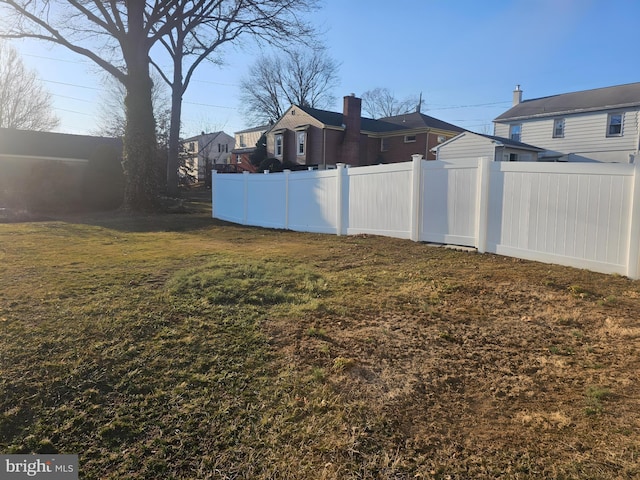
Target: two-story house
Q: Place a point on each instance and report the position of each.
(599, 125)
(309, 136)
(204, 153)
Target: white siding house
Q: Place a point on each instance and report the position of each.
(600, 125)
(471, 146)
(203, 152)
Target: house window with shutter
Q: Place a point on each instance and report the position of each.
(614, 125)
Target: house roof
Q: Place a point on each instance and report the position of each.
(501, 141)
(507, 142)
(262, 128)
(212, 136)
(607, 98)
(420, 120)
(335, 119)
(50, 145)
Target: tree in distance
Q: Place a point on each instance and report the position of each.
(381, 103)
(24, 103)
(297, 77)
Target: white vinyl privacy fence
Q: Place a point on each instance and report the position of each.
(576, 214)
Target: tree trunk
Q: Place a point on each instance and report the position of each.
(140, 146)
(174, 140)
(176, 116)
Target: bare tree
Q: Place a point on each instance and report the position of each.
(381, 102)
(118, 37)
(299, 77)
(199, 30)
(24, 103)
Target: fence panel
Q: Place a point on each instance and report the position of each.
(449, 202)
(573, 214)
(266, 201)
(313, 201)
(379, 200)
(227, 194)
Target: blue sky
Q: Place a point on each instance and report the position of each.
(465, 57)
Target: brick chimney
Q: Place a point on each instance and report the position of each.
(517, 96)
(352, 121)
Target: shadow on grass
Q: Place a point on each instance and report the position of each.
(189, 212)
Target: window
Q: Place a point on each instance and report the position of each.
(278, 139)
(515, 132)
(384, 144)
(242, 144)
(301, 139)
(558, 128)
(513, 157)
(614, 125)
(409, 138)
(192, 147)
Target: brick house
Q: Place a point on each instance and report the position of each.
(309, 136)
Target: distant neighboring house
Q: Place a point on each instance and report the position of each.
(471, 146)
(32, 146)
(49, 166)
(309, 136)
(206, 152)
(599, 125)
(245, 145)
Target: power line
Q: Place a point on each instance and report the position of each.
(73, 98)
(207, 105)
(54, 59)
(217, 83)
(73, 111)
(73, 85)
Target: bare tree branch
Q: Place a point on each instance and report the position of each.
(380, 103)
(24, 104)
(304, 78)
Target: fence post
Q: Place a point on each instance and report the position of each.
(214, 173)
(416, 197)
(286, 199)
(340, 173)
(245, 197)
(482, 203)
(633, 248)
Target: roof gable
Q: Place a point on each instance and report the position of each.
(608, 98)
(499, 141)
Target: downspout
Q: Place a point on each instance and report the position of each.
(426, 153)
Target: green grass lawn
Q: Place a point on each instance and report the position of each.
(177, 346)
